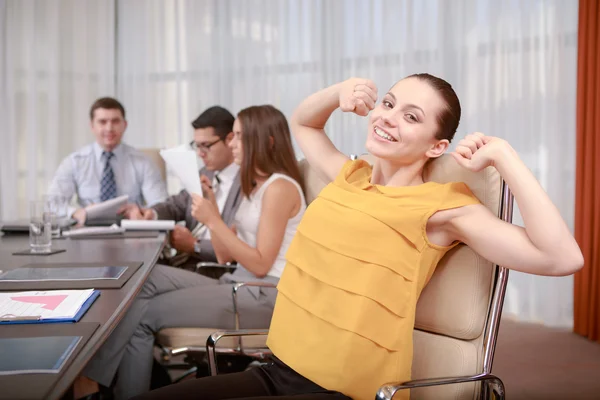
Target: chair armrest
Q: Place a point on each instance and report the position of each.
(204, 264)
(236, 287)
(211, 343)
(210, 264)
(387, 391)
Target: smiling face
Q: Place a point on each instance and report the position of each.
(403, 126)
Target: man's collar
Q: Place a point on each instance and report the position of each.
(229, 172)
(117, 151)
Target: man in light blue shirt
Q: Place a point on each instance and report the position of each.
(108, 168)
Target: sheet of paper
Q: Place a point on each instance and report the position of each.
(143, 225)
(25, 274)
(107, 209)
(186, 147)
(95, 230)
(36, 355)
(46, 304)
(185, 166)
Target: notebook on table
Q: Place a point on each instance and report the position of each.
(36, 355)
(54, 276)
(22, 225)
(38, 368)
(36, 307)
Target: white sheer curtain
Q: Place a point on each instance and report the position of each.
(56, 58)
(513, 64)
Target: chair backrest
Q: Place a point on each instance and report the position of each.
(313, 184)
(457, 319)
(457, 311)
(154, 155)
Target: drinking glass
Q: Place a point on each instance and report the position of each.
(58, 207)
(40, 221)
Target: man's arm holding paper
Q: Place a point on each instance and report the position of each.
(174, 208)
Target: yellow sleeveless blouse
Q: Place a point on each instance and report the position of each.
(345, 310)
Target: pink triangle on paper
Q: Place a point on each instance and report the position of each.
(49, 302)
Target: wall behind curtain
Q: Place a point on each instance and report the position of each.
(56, 58)
(512, 63)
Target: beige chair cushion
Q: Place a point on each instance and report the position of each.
(154, 155)
(484, 184)
(196, 337)
(457, 298)
(455, 302)
(449, 357)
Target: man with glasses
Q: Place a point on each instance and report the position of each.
(212, 134)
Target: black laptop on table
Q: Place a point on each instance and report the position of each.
(22, 225)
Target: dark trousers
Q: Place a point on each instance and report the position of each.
(274, 380)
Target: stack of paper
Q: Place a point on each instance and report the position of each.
(95, 230)
(45, 306)
(144, 225)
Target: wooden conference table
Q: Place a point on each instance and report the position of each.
(105, 313)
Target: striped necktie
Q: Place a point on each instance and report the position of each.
(216, 183)
(108, 186)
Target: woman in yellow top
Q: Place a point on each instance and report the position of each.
(367, 245)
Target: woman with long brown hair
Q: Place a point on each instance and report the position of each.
(273, 203)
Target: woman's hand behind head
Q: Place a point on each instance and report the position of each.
(477, 151)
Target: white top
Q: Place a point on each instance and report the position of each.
(135, 175)
(247, 218)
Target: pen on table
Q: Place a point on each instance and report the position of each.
(21, 318)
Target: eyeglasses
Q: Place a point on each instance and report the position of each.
(203, 147)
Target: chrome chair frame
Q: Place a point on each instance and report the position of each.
(259, 353)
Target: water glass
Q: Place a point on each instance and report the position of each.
(58, 207)
(40, 226)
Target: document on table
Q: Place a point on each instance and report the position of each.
(184, 164)
(107, 209)
(45, 305)
(94, 230)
